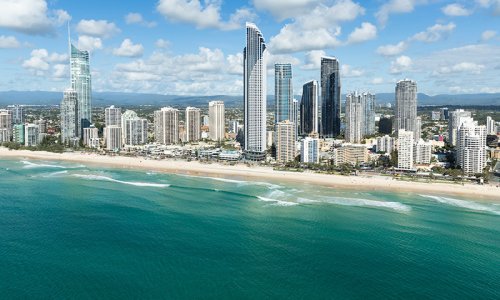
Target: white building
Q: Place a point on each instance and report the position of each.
(406, 107)
(113, 116)
(69, 116)
(355, 118)
(422, 152)
(491, 127)
(31, 135)
(166, 122)
(217, 127)
(233, 126)
(113, 138)
(471, 147)
(309, 151)
(5, 125)
(134, 129)
(455, 120)
(192, 124)
(350, 153)
(255, 93)
(285, 141)
(385, 144)
(91, 137)
(405, 149)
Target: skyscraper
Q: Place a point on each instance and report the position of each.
(217, 120)
(294, 116)
(309, 121)
(69, 116)
(91, 137)
(355, 118)
(330, 97)
(112, 116)
(455, 120)
(491, 127)
(406, 107)
(166, 123)
(255, 93)
(134, 129)
(405, 149)
(285, 141)
(31, 135)
(18, 134)
(309, 152)
(81, 83)
(113, 137)
(283, 92)
(193, 125)
(471, 147)
(5, 125)
(369, 113)
(17, 114)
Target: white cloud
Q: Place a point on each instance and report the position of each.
(202, 15)
(26, 16)
(313, 60)
(490, 3)
(161, 43)
(61, 17)
(97, 28)
(89, 43)
(392, 50)
(463, 67)
(9, 42)
(235, 64)
(41, 60)
(395, 7)
(129, 49)
(377, 80)
(488, 35)
(366, 32)
(136, 18)
(283, 9)
(348, 71)
(455, 10)
(401, 64)
(60, 71)
(434, 33)
(315, 29)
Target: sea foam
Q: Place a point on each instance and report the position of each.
(32, 165)
(134, 183)
(277, 202)
(397, 206)
(464, 204)
(238, 182)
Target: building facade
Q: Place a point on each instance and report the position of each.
(355, 118)
(113, 138)
(5, 125)
(255, 93)
(283, 92)
(166, 123)
(69, 116)
(309, 151)
(491, 127)
(309, 109)
(471, 147)
(18, 134)
(134, 129)
(31, 135)
(113, 116)
(455, 120)
(217, 120)
(285, 141)
(405, 149)
(330, 97)
(422, 152)
(81, 82)
(193, 124)
(406, 107)
(385, 144)
(91, 137)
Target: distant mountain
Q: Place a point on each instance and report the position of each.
(134, 99)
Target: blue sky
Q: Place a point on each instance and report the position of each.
(194, 47)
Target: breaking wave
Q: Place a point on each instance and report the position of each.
(134, 183)
(464, 204)
(32, 165)
(397, 206)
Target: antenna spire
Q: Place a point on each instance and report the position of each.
(69, 49)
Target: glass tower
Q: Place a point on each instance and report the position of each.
(330, 97)
(81, 83)
(283, 92)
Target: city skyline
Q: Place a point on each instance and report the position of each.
(142, 47)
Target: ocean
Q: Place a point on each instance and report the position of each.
(70, 231)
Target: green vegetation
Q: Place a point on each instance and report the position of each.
(49, 144)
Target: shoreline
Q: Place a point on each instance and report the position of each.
(254, 173)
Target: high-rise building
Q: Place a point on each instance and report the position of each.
(233, 126)
(369, 113)
(217, 120)
(418, 128)
(444, 113)
(69, 116)
(18, 134)
(294, 116)
(471, 147)
(422, 152)
(385, 144)
(81, 83)
(91, 137)
(255, 93)
(309, 109)
(455, 120)
(283, 92)
(17, 113)
(113, 116)
(5, 125)
(385, 125)
(355, 118)
(31, 135)
(113, 138)
(330, 97)
(309, 151)
(166, 123)
(405, 149)
(134, 129)
(491, 127)
(42, 124)
(435, 115)
(406, 107)
(285, 141)
(193, 126)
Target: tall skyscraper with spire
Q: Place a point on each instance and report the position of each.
(255, 93)
(81, 83)
(330, 97)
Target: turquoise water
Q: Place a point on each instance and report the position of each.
(69, 231)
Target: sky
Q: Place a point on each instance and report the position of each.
(194, 47)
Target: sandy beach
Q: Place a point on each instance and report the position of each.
(359, 183)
